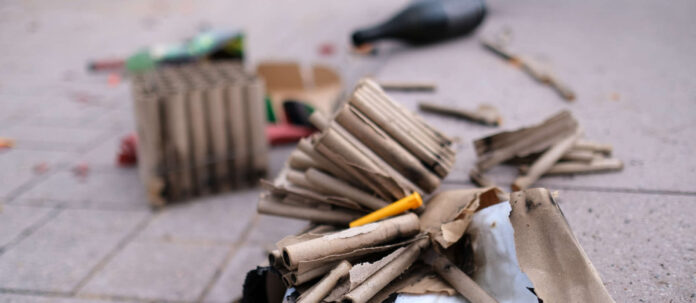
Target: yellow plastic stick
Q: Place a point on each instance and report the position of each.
(409, 202)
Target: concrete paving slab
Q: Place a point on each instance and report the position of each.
(73, 110)
(116, 188)
(57, 256)
(18, 167)
(642, 245)
(52, 138)
(103, 155)
(13, 298)
(158, 271)
(620, 101)
(14, 220)
(221, 218)
(229, 287)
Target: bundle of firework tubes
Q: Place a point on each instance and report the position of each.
(553, 147)
(200, 129)
(374, 152)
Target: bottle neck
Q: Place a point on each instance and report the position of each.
(386, 30)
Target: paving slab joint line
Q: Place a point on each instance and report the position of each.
(118, 248)
(35, 181)
(31, 229)
(64, 295)
(599, 189)
(65, 204)
(228, 258)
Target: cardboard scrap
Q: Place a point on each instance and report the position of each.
(448, 214)
(318, 87)
(549, 253)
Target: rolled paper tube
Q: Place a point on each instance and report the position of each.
(323, 287)
(332, 185)
(406, 114)
(545, 162)
(298, 178)
(297, 278)
(560, 125)
(411, 201)
(388, 149)
(488, 117)
(319, 120)
(275, 258)
(457, 278)
(593, 146)
(408, 142)
(597, 165)
(579, 155)
(405, 123)
(400, 185)
(336, 148)
(386, 274)
(351, 239)
(268, 205)
(301, 161)
(325, 164)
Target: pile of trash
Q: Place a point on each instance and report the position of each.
(466, 245)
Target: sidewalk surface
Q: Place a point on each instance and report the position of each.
(69, 238)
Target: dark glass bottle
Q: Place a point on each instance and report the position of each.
(427, 21)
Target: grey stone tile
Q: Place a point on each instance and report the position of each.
(73, 109)
(104, 154)
(15, 219)
(52, 137)
(229, 286)
(12, 298)
(158, 271)
(218, 218)
(117, 188)
(18, 166)
(121, 120)
(268, 230)
(61, 253)
(642, 245)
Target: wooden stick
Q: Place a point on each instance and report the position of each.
(569, 168)
(593, 146)
(484, 115)
(457, 278)
(545, 162)
(323, 287)
(408, 86)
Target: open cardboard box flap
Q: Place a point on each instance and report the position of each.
(319, 86)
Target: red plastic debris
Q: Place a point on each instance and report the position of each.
(41, 168)
(127, 153)
(327, 49)
(279, 134)
(114, 79)
(81, 170)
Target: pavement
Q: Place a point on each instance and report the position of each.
(69, 237)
